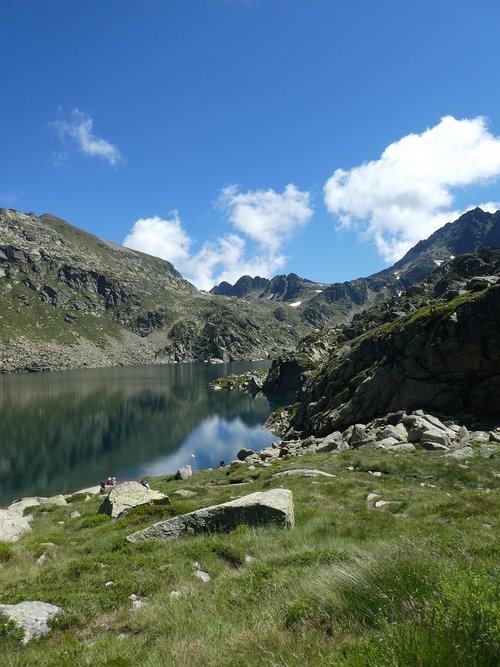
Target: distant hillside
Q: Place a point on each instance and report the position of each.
(327, 305)
(70, 299)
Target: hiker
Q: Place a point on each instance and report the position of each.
(103, 488)
(109, 481)
(145, 484)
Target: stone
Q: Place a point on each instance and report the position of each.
(12, 526)
(41, 560)
(486, 452)
(332, 442)
(358, 435)
(436, 436)
(243, 453)
(75, 515)
(397, 431)
(461, 454)
(174, 595)
(387, 442)
(184, 473)
(202, 576)
(302, 472)
(463, 432)
(127, 495)
(433, 446)
(137, 604)
(370, 499)
(184, 493)
(32, 616)
(273, 507)
(268, 453)
(402, 448)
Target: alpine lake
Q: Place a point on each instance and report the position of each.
(63, 431)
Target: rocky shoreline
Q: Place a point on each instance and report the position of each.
(397, 433)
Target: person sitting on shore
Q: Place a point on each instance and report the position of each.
(109, 481)
(145, 484)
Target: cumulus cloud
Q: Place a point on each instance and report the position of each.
(79, 130)
(159, 237)
(265, 220)
(266, 216)
(408, 192)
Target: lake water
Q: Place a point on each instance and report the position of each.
(62, 431)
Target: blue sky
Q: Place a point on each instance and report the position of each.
(211, 132)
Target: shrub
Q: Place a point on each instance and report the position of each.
(95, 520)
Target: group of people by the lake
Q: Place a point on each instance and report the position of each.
(111, 481)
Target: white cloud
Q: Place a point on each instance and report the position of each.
(79, 130)
(264, 217)
(161, 238)
(407, 193)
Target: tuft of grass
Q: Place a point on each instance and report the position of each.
(6, 552)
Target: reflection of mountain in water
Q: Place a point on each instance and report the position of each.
(65, 430)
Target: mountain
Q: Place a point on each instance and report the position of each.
(290, 288)
(70, 299)
(328, 305)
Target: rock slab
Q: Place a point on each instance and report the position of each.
(273, 507)
(127, 495)
(32, 616)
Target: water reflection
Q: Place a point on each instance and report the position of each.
(63, 431)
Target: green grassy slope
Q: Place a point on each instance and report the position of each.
(415, 583)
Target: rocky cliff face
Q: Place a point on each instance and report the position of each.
(439, 350)
(69, 299)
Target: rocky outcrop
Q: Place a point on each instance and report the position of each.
(31, 616)
(127, 495)
(444, 358)
(257, 509)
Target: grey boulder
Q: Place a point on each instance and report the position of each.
(273, 507)
(31, 616)
(127, 495)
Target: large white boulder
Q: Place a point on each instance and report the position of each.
(273, 507)
(127, 495)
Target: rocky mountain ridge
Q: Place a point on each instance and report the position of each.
(69, 299)
(328, 305)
